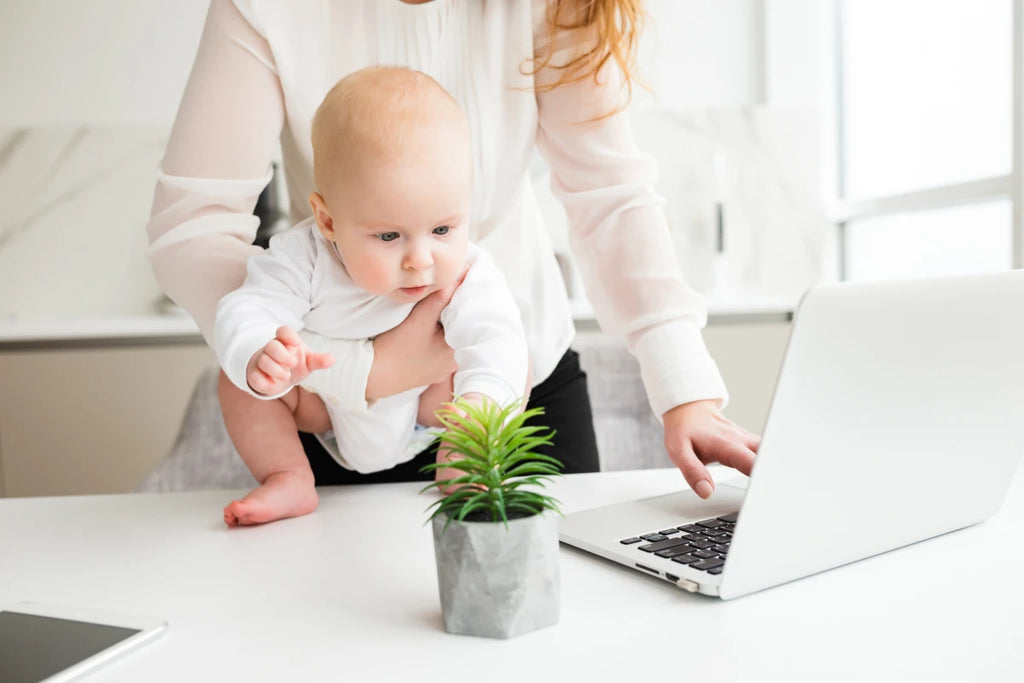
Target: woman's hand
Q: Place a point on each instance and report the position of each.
(414, 353)
(697, 433)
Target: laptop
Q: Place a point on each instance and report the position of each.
(898, 416)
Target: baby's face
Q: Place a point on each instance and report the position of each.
(401, 225)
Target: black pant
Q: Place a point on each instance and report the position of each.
(566, 405)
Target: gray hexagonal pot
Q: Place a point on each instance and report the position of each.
(497, 581)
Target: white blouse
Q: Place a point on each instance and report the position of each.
(262, 69)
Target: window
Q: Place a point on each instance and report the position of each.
(927, 127)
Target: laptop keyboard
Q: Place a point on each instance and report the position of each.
(702, 545)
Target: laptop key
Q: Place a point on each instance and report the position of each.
(653, 537)
(631, 540)
(710, 523)
(708, 564)
(705, 554)
(715, 570)
(661, 545)
(691, 528)
(686, 559)
(668, 532)
(702, 545)
(674, 551)
(720, 548)
(731, 517)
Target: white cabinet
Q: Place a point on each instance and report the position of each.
(92, 419)
(749, 356)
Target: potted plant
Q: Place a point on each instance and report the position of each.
(496, 549)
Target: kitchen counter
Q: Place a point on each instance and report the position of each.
(139, 330)
(171, 329)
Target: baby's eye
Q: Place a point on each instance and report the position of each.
(442, 230)
(388, 236)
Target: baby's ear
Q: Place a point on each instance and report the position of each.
(322, 215)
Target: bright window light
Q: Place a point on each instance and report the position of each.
(926, 93)
(957, 240)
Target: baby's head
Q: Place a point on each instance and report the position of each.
(393, 171)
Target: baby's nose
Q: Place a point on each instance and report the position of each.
(418, 259)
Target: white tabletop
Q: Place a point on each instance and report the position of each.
(350, 593)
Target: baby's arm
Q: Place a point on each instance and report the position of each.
(276, 294)
(483, 326)
(282, 363)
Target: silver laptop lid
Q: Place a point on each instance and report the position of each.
(898, 416)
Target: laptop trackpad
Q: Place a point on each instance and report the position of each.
(690, 507)
(649, 515)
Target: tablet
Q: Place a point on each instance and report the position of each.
(43, 642)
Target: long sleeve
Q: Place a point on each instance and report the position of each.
(276, 292)
(218, 160)
(621, 240)
(483, 327)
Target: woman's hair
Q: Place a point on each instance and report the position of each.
(604, 29)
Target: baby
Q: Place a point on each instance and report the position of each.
(393, 169)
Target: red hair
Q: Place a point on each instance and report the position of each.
(608, 30)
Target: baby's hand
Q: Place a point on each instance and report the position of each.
(284, 362)
(445, 455)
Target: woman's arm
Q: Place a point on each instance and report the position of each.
(218, 160)
(627, 260)
(620, 237)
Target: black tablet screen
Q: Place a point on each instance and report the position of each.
(34, 647)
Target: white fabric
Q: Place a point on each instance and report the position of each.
(301, 282)
(261, 71)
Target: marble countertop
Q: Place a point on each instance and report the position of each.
(156, 328)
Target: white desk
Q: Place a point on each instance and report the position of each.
(350, 593)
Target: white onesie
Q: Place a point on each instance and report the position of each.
(300, 282)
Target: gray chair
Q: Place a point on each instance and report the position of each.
(628, 434)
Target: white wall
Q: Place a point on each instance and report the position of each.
(798, 54)
(126, 61)
(736, 53)
(699, 53)
(71, 62)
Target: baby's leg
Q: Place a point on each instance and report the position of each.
(265, 435)
(432, 400)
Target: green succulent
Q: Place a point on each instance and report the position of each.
(494, 453)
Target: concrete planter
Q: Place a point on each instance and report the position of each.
(495, 581)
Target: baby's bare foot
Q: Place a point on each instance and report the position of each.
(281, 495)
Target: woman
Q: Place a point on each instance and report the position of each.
(550, 74)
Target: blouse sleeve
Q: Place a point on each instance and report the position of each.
(619, 234)
(217, 162)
